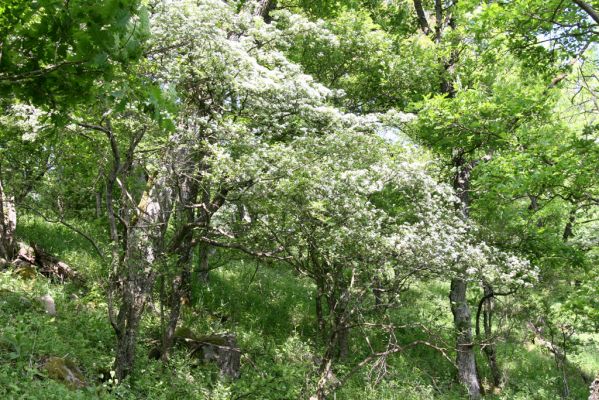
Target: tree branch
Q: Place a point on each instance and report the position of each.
(588, 9)
(37, 72)
(68, 225)
(421, 17)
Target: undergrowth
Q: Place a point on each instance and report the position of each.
(269, 309)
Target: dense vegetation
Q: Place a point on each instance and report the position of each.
(299, 199)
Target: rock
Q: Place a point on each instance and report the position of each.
(21, 263)
(221, 349)
(184, 333)
(24, 270)
(65, 371)
(48, 302)
(33, 258)
(3, 263)
(26, 252)
(51, 266)
(59, 269)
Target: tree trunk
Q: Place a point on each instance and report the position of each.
(8, 224)
(180, 289)
(465, 358)
(183, 246)
(489, 345)
(320, 322)
(134, 279)
(203, 267)
(594, 395)
(129, 317)
(339, 334)
(263, 9)
(203, 263)
(135, 247)
(377, 291)
(588, 9)
(321, 386)
(325, 374)
(422, 21)
(168, 336)
(342, 342)
(136, 286)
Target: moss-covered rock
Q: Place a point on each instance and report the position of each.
(64, 370)
(216, 340)
(189, 336)
(24, 270)
(184, 332)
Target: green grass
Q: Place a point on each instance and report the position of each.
(271, 310)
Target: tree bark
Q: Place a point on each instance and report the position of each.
(179, 291)
(465, 358)
(377, 291)
(569, 228)
(339, 332)
(326, 369)
(203, 267)
(144, 243)
(594, 395)
(320, 322)
(141, 238)
(136, 285)
(263, 9)
(422, 21)
(342, 342)
(588, 9)
(130, 314)
(203, 263)
(183, 246)
(8, 224)
(438, 20)
(488, 347)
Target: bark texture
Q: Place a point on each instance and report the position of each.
(488, 346)
(263, 8)
(465, 358)
(144, 241)
(135, 248)
(595, 389)
(8, 224)
(188, 177)
(588, 9)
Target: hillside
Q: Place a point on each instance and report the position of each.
(299, 199)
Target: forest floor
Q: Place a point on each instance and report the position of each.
(269, 309)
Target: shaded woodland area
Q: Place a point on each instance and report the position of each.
(299, 199)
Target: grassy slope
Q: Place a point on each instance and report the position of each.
(269, 309)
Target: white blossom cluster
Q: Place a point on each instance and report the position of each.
(320, 183)
(28, 120)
